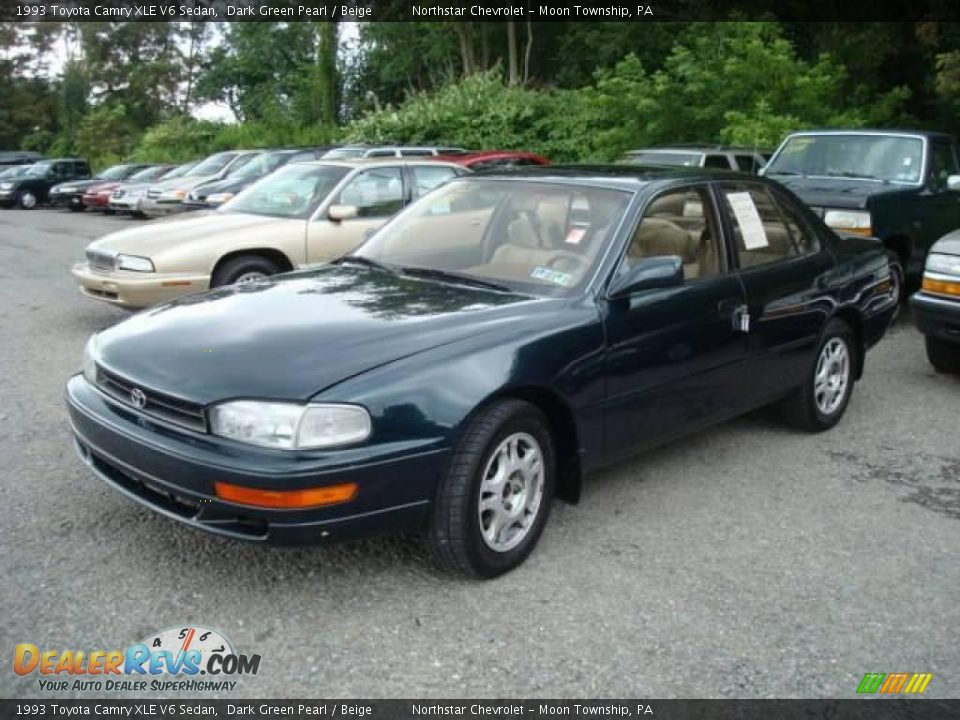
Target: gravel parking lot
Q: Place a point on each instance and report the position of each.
(745, 561)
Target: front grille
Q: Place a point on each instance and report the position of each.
(163, 407)
(100, 260)
(153, 193)
(117, 194)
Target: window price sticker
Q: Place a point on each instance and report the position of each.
(754, 234)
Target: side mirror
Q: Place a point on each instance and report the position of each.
(953, 182)
(653, 272)
(341, 212)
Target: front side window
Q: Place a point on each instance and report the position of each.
(746, 163)
(40, 170)
(534, 237)
(375, 193)
(293, 191)
(890, 158)
(760, 233)
(212, 165)
(416, 153)
(426, 177)
(679, 222)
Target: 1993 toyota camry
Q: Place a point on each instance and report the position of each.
(496, 341)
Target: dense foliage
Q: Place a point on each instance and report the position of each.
(572, 91)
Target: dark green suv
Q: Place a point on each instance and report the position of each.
(34, 185)
(901, 186)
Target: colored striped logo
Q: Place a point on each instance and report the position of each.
(894, 683)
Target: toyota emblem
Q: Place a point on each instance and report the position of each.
(138, 398)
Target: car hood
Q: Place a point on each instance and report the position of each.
(292, 336)
(146, 240)
(835, 192)
(949, 244)
(186, 183)
(102, 186)
(77, 185)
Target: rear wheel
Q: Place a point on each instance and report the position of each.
(821, 401)
(27, 200)
(494, 502)
(243, 269)
(943, 355)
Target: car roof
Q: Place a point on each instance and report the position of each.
(384, 161)
(61, 159)
(620, 177)
(874, 131)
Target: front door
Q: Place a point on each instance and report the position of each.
(376, 194)
(675, 357)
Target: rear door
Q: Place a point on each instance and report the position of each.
(783, 269)
(676, 356)
(376, 193)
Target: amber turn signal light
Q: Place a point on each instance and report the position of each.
(286, 499)
(941, 287)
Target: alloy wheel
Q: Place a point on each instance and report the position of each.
(511, 491)
(832, 376)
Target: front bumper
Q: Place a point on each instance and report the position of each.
(66, 199)
(172, 472)
(125, 204)
(8, 197)
(936, 316)
(136, 290)
(96, 201)
(153, 207)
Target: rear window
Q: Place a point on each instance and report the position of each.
(664, 158)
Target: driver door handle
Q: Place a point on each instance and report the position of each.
(738, 312)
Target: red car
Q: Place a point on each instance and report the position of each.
(495, 159)
(97, 195)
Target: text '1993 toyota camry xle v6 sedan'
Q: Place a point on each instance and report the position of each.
(475, 358)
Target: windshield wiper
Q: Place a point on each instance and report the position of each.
(361, 260)
(435, 274)
(857, 176)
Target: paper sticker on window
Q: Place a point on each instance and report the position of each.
(751, 227)
(693, 208)
(575, 235)
(554, 276)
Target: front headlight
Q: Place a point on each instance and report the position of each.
(853, 221)
(178, 194)
(288, 426)
(943, 264)
(133, 262)
(89, 365)
(219, 198)
(6, 185)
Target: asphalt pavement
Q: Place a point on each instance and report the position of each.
(745, 561)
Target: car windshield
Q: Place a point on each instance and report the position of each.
(117, 172)
(39, 170)
(150, 173)
(178, 171)
(292, 192)
(260, 165)
(533, 237)
(212, 165)
(890, 158)
(663, 158)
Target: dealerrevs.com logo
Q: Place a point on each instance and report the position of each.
(188, 658)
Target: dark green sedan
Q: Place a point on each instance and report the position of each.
(479, 356)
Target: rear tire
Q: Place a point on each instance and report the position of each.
(943, 355)
(821, 401)
(245, 268)
(494, 502)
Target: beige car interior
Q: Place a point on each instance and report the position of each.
(780, 243)
(561, 232)
(675, 224)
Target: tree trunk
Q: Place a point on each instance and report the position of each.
(514, 60)
(526, 53)
(327, 80)
(465, 35)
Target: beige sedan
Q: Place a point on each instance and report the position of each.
(302, 214)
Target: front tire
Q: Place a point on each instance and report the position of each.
(898, 280)
(245, 268)
(27, 200)
(943, 355)
(821, 401)
(494, 502)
